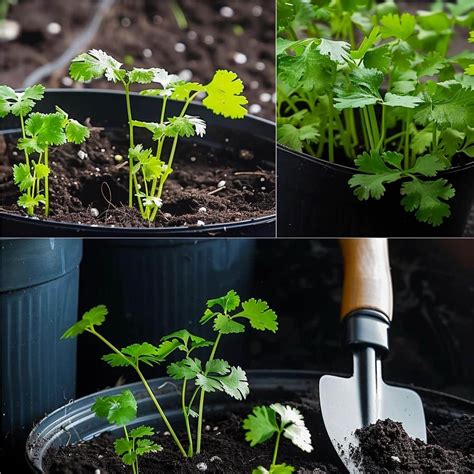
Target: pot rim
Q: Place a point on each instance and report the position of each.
(168, 387)
(350, 170)
(69, 226)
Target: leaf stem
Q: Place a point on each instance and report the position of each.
(186, 418)
(331, 128)
(46, 184)
(147, 387)
(201, 399)
(406, 150)
(277, 444)
(134, 469)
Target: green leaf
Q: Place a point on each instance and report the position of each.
(260, 316)
(93, 317)
(294, 137)
(260, 425)
(310, 70)
(186, 369)
(208, 384)
(180, 126)
(378, 58)
(428, 165)
(229, 302)
(129, 458)
(285, 13)
(189, 341)
(217, 366)
(142, 431)
(225, 325)
(22, 176)
(119, 409)
(122, 446)
(401, 27)
(95, 64)
(422, 140)
(378, 174)
(29, 202)
(19, 103)
(117, 360)
(427, 199)
(48, 129)
(338, 51)
(145, 446)
(367, 43)
(407, 101)
(451, 105)
(224, 95)
(41, 170)
(140, 75)
(183, 90)
(75, 132)
(235, 384)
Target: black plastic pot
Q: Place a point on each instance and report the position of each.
(153, 287)
(107, 109)
(315, 200)
(75, 422)
(39, 282)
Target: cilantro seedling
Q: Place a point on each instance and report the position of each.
(396, 92)
(228, 316)
(263, 423)
(121, 410)
(39, 132)
(149, 169)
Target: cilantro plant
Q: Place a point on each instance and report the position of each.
(38, 133)
(393, 102)
(263, 424)
(121, 410)
(228, 315)
(150, 168)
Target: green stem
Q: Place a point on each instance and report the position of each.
(186, 419)
(134, 469)
(23, 133)
(364, 129)
(368, 128)
(147, 387)
(275, 451)
(46, 184)
(393, 137)
(374, 125)
(201, 399)
(331, 128)
(132, 144)
(406, 150)
(382, 128)
(435, 137)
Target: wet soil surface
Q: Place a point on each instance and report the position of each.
(226, 451)
(238, 35)
(81, 187)
(36, 45)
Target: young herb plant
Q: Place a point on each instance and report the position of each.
(228, 315)
(121, 410)
(394, 103)
(38, 133)
(149, 169)
(263, 423)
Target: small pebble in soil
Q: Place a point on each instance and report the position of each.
(262, 179)
(67, 81)
(125, 22)
(53, 28)
(166, 433)
(200, 224)
(82, 154)
(118, 157)
(240, 58)
(265, 97)
(192, 35)
(263, 188)
(180, 47)
(202, 466)
(254, 85)
(227, 12)
(185, 74)
(94, 212)
(157, 19)
(209, 39)
(207, 428)
(215, 429)
(193, 158)
(255, 109)
(246, 155)
(102, 150)
(97, 471)
(257, 10)
(216, 458)
(221, 184)
(15, 153)
(147, 53)
(202, 209)
(260, 66)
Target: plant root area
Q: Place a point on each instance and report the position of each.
(89, 184)
(384, 447)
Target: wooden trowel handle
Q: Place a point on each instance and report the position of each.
(367, 280)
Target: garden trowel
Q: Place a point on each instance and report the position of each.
(366, 312)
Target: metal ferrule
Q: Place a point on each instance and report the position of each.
(368, 328)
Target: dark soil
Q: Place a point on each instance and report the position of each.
(211, 42)
(100, 181)
(35, 46)
(386, 447)
(225, 450)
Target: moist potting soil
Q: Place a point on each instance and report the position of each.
(89, 184)
(384, 446)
